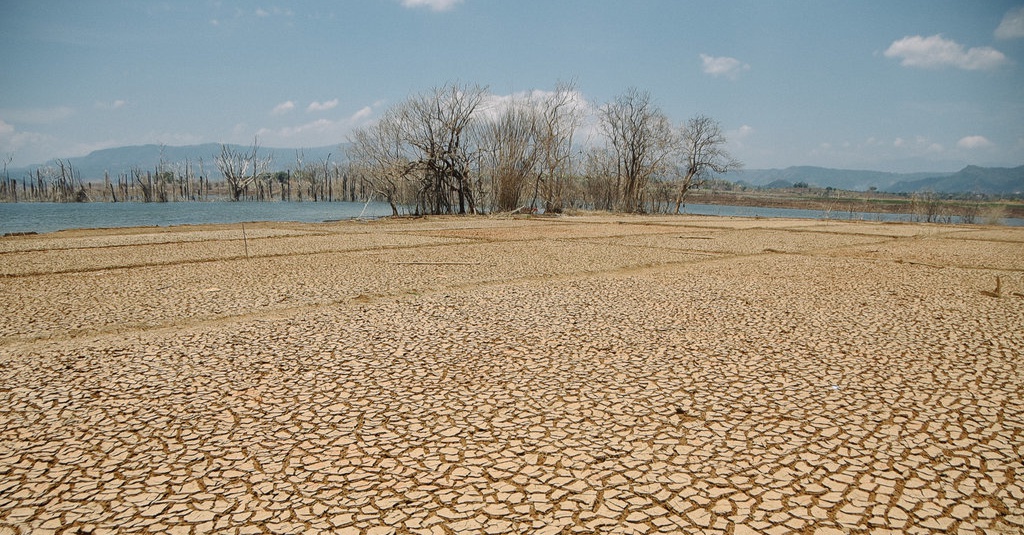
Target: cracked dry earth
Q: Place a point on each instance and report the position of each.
(483, 375)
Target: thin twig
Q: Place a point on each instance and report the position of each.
(901, 261)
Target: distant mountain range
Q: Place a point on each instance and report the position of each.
(971, 179)
(121, 160)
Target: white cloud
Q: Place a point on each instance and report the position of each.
(319, 125)
(919, 145)
(241, 131)
(170, 138)
(973, 142)
(14, 142)
(362, 114)
(283, 108)
(312, 133)
(115, 105)
(723, 66)
(923, 144)
(1012, 25)
(588, 130)
(494, 105)
(434, 5)
(322, 106)
(736, 138)
(935, 52)
(275, 11)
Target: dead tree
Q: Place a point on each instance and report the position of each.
(436, 127)
(241, 168)
(560, 115)
(509, 149)
(378, 153)
(704, 155)
(642, 142)
(424, 144)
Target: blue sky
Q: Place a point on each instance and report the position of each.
(895, 86)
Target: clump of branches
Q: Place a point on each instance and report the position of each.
(526, 149)
(704, 156)
(457, 149)
(241, 168)
(58, 182)
(645, 159)
(424, 146)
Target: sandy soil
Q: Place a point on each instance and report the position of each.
(590, 374)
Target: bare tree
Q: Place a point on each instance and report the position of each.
(642, 142)
(379, 153)
(436, 126)
(240, 169)
(526, 147)
(704, 155)
(599, 182)
(68, 186)
(305, 175)
(559, 117)
(9, 187)
(926, 206)
(327, 181)
(145, 182)
(509, 152)
(425, 143)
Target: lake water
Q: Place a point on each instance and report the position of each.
(51, 217)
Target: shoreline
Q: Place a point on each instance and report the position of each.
(18, 221)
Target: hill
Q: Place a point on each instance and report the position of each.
(823, 177)
(970, 179)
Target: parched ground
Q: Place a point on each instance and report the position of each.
(484, 375)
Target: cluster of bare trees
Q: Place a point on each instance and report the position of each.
(457, 149)
(247, 177)
(419, 154)
(241, 168)
(646, 163)
(167, 182)
(60, 182)
(526, 150)
(322, 180)
(930, 207)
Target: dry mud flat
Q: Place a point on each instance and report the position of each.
(569, 375)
